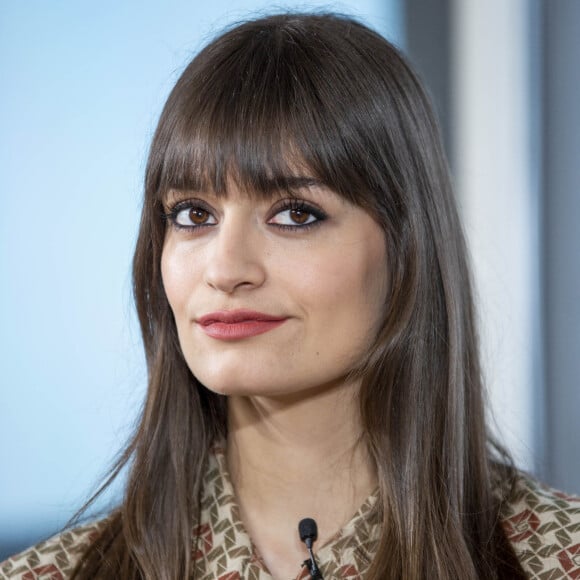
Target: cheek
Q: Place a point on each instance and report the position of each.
(348, 288)
(358, 272)
(176, 278)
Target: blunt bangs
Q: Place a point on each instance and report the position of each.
(268, 101)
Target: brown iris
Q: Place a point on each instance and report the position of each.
(198, 216)
(299, 216)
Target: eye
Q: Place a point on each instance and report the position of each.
(196, 216)
(297, 214)
(191, 215)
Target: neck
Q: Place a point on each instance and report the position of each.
(295, 441)
(296, 457)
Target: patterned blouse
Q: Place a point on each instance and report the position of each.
(542, 524)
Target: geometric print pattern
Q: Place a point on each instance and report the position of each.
(542, 524)
(53, 559)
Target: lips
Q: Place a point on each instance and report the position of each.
(238, 324)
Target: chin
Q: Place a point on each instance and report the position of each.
(234, 386)
(229, 385)
(238, 378)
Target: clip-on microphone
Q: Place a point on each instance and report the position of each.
(308, 534)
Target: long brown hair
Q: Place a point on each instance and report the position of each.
(326, 91)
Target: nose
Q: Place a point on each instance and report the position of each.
(235, 260)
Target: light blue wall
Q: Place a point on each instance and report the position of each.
(81, 86)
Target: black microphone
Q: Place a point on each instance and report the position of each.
(308, 531)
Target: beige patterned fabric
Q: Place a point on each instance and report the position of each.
(542, 524)
(53, 559)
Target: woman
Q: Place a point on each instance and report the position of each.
(301, 281)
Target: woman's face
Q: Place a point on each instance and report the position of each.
(273, 297)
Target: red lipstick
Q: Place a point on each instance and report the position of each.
(238, 324)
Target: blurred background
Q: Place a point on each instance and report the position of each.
(82, 86)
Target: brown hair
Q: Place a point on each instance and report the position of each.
(335, 95)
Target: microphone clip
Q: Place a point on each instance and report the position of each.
(313, 569)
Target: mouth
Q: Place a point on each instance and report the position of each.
(238, 324)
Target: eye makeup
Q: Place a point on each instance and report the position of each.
(289, 214)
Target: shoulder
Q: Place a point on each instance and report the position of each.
(543, 526)
(53, 559)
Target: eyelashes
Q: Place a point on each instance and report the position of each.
(289, 214)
